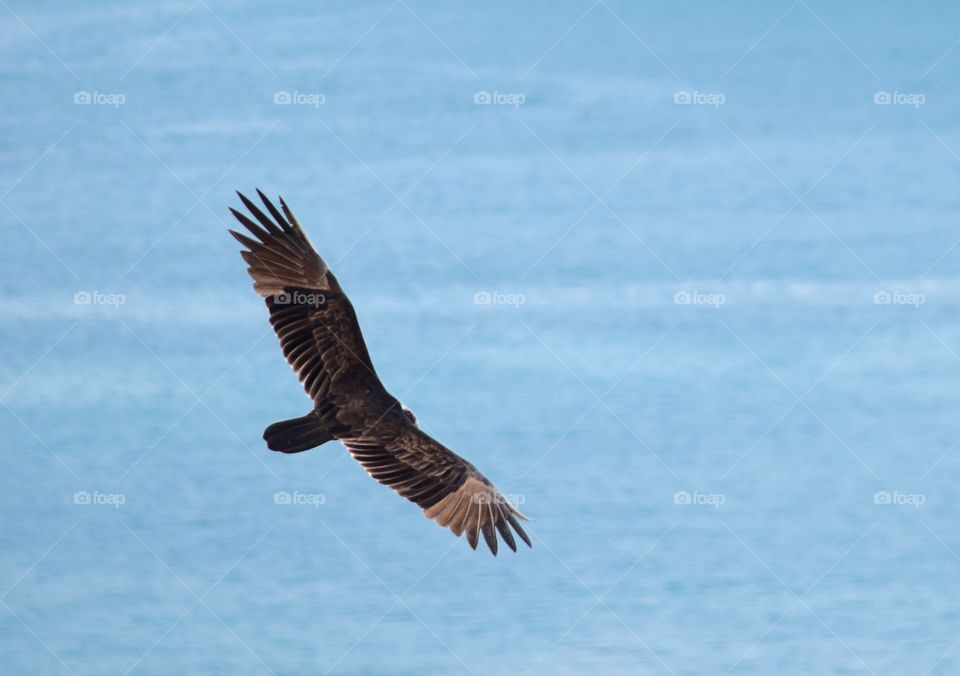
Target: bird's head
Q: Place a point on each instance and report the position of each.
(410, 416)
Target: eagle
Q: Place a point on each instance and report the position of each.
(321, 340)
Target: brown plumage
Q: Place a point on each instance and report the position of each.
(321, 339)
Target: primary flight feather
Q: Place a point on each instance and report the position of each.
(321, 339)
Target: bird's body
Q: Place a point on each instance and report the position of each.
(321, 339)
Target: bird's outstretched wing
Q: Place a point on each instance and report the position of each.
(449, 489)
(313, 318)
(321, 339)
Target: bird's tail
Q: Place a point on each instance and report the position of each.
(301, 434)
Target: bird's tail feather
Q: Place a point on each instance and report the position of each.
(300, 434)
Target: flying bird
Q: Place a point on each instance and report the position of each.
(321, 339)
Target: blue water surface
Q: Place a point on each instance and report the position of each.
(682, 278)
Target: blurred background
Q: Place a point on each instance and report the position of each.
(681, 278)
